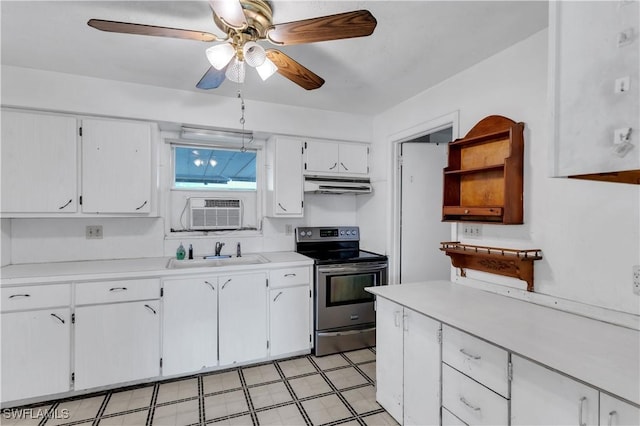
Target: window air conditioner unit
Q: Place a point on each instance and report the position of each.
(212, 213)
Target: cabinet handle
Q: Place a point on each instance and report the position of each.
(465, 402)
(405, 322)
(62, 207)
(333, 167)
(289, 275)
(611, 415)
(580, 410)
(345, 167)
(280, 205)
(151, 309)
(210, 285)
(468, 355)
(466, 211)
(118, 289)
(277, 295)
(19, 295)
(58, 318)
(142, 205)
(396, 318)
(226, 282)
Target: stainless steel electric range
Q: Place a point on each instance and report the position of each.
(344, 315)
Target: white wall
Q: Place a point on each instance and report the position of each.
(589, 232)
(50, 240)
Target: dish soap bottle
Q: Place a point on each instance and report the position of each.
(180, 252)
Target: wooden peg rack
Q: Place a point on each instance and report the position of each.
(502, 261)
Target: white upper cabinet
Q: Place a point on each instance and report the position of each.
(336, 158)
(116, 167)
(284, 179)
(39, 163)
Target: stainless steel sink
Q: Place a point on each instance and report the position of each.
(216, 261)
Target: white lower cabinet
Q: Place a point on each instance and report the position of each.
(615, 412)
(190, 325)
(407, 364)
(116, 343)
(540, 396)
(243, 312)
(289, 320)
(36, 353)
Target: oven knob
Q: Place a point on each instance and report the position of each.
(303, 233)
(341, 232)
(348, 232)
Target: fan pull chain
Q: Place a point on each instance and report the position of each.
(243, 149)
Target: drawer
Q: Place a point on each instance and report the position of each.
(484, 362)
(289, 276)
(35, 297)
(117, 291)
(471, 402)
(449, 419)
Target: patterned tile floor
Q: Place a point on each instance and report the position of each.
(331, 390)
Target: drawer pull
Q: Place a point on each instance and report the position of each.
(58, 318)
(142, 205)
(468, 355)
(19, 295)
(210, 285)
(333, 167)
(277, 295)
(580, 410)
(465, 402)
(612, 414)
(118, 289)
(225, 283)
(290, 275)
(151, 309)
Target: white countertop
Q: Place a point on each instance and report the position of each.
(602, 355)
(56, 272)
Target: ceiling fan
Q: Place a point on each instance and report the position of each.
(245, 23)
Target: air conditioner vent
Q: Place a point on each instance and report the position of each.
(213, 213)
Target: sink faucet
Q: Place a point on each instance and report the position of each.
(219, 246)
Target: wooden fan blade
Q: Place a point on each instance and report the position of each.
(295, 72)
(230, 13)
(151, 30)
(212, 79)
(359, 23)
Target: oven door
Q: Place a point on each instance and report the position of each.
(341, 300)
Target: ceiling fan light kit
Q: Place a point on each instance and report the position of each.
(245, 22)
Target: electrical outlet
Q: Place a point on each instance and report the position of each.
(636, 279)
(94, 232)
(471, 230)
(288, 229)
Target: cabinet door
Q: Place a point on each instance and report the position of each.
(288, 181)
(116, 167)
(614, 412)
(389, 357)
(540, 396)
(116, 343)
(190, 325)
(36, 353)
(353, 159)
(243, 318)
(289, 320)
(421, 369)
(321, 157)
(39, 163)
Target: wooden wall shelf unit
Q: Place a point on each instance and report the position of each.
(483, 181)
(503, 261)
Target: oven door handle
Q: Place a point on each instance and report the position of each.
(345, 333)
(351, 269)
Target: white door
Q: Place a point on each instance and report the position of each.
(389, 357)
(288, 182)
(540, 396)
(321, 157)
(39, 163)
(422, 369)
(116, 167)
(116, 343)
(190, 325)
(243, 317)
(354, 158)
(36, 353)
(289, 320)
(421, 226)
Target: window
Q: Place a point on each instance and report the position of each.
(214, 168)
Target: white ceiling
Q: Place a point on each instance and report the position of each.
(416, 45)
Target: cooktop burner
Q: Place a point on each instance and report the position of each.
(340, 244)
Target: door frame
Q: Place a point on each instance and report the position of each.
(448, 120)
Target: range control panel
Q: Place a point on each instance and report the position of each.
(336, 233)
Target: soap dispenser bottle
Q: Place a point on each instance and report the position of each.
(180, 252)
